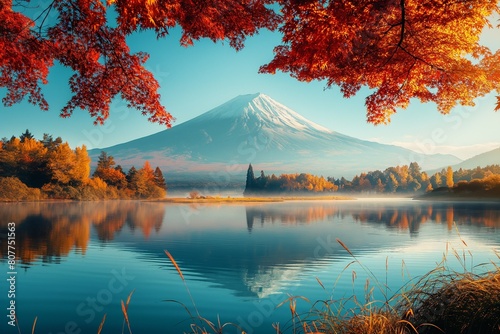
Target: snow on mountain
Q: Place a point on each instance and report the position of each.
(256, 129)
(262, 110)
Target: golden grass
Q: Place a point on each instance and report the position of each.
(34, 326)
(125, 312)
(455, 303)
(175, 264)
(101, 324)
(442, 301)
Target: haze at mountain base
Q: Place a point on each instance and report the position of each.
(218, 145)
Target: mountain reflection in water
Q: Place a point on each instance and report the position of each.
(239, 255)
(49, 231)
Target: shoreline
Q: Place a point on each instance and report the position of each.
(208, 199)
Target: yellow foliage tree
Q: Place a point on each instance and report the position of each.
(449, 177)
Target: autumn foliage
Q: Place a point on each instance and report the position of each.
(32, 169)
(427, 50)
(87, 40)
(286, 183)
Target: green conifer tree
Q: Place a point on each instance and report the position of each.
(250, 183)
(159, 179)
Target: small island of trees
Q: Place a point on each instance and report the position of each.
(32, 169)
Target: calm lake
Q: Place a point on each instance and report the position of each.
(77, 261)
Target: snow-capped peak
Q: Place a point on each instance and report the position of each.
(266, 110)
(280, 114)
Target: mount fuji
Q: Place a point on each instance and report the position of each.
(256, 129)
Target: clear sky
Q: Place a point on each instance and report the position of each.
(196, 79)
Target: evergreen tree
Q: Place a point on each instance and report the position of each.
(415, 171)
(261, 181)
(250, 183)
(414, 185)
(159, 179)
(49, 142)
(104, 161)
(26, 135)
(130, 175)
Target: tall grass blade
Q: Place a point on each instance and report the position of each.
(34, 325)
(17, 324)
(126, 308)
(102, 324)
(386, 275)
(125, 315)
(345, 247)
(183, 280)
(320, 283)
(128, 299)
(379, 285)
(459, 236)
(174, 263)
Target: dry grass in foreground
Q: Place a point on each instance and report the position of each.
(442, 301)
(453, 303)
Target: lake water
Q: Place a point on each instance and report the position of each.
(77, 261)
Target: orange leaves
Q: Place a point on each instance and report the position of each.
(103, 65)
(83, 39)
(214, 19)
(402, 49)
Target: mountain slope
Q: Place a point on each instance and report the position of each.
(256, 129)
(482, 160)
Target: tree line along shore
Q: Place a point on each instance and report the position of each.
(408, 180)
(32, 169)
(49, 168)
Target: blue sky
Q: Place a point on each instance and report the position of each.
(196, 79)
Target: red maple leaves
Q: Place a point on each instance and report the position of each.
(400, 49)
(25, 58)
(428, 50)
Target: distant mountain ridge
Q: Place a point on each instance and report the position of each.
(482, 160)
(256, 129)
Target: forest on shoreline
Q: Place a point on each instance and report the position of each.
(32, 169)
(403, 180)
